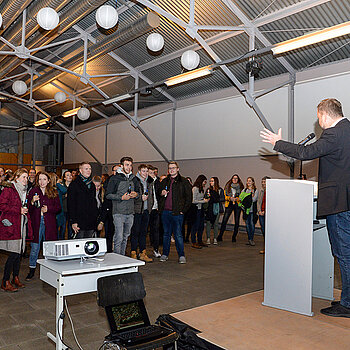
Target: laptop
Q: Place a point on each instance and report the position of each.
(131, 328)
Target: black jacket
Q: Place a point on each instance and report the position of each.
(333, 151)
(181, 194)
(82, 205)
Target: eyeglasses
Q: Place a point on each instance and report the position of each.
(172, 168)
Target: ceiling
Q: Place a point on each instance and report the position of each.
(126, 54)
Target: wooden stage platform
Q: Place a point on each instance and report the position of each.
(243, 323)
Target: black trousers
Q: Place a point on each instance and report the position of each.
(154, 221)
(228, 211)
(109, 233)
(12, 265)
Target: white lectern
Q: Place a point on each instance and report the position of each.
(298, 259)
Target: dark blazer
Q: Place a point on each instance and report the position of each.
(82, 204)
(333, 151)
(53, 208)
(181, 196)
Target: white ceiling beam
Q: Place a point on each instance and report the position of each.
(285, 12)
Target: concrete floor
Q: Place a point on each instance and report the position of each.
(211, 274)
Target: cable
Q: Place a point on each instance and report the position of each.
(71, 322)
(58, 331)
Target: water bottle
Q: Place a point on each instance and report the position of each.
(37, 202)
(166, 189)
(129, 189)
(25, 203)
(146, 192)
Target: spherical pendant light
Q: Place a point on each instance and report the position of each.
(106, 16)
(47, 18)
(0, 20)
(60, 97)
(155, 42)
(83, 114)
(19, 87)
(190, 59)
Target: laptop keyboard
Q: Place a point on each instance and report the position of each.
(144, 332)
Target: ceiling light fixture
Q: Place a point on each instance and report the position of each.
(312, 38)
(178, 79)
(41, 122)
(117, 99)
(70, 112)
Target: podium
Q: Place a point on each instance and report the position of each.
(298, 261)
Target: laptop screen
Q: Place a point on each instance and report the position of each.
(127, 316)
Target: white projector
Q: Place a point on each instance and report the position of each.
(74, 248)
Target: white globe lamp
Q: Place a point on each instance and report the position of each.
(83, 114)
(47, 18)
(60, 97)
(190, 59)
(155, 42)
(106, 16)
(19, 87)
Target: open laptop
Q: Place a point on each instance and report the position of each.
(131, 328)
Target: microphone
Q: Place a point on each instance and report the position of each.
(307, 139)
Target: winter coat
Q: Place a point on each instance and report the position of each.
(53, 207)
(139, 204)
(181, 194)
(215, 198)
(118, 185)
(10, 207)
(82, 204)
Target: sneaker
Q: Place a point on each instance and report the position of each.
(202, 244)
(262, 251)
(156, 253)
(208, 241)
(182, 260)
(172, 239)
(163, 258)
(215, 241)
(250, 242)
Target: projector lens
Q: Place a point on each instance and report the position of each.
(91, 248)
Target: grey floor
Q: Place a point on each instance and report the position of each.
(211, 274)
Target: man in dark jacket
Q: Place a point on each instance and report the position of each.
(175, 199)
(82, 205)
(123, 188)
(332, 149)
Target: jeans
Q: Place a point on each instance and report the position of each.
(154, 228)
(228, 211)
(35, 247)
(215, 226)
(250, 226)
(12, 265)
(198, 226)
(139, 231)
(172, 224)
(338, 226)
(122, 225)
(262, 224)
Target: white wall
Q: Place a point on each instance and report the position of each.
(220, 136)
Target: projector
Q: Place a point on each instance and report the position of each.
(74, 248)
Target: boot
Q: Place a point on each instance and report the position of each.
(8, 287)
(144, 257)
(133, 254)
(30, 274)
(17, 282)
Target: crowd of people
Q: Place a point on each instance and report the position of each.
(40, 206)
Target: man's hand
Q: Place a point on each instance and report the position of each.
(164, 193)
(269, 137)
(75, 228)
(126, 196)
(144, 197)
(133, 194)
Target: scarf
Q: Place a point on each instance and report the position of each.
(87, 180)
(22, 192)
